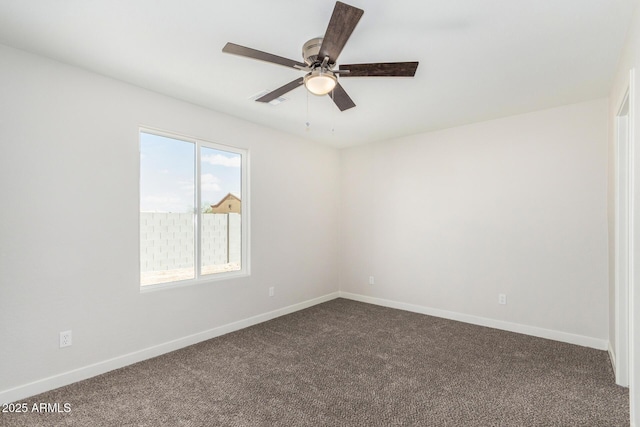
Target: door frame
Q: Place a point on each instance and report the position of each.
(623, 253)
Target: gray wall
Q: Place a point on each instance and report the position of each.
(445, 220)
(448, 220)
(70, 153)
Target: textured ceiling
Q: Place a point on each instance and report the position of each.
(478, 59)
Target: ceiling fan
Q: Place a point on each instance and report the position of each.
(320, 55)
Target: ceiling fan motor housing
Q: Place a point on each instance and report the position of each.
(310, 51)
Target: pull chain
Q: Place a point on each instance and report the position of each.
(307, 122)
(333, 114)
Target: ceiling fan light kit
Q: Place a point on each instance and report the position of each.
(320, 55)
(320, 82)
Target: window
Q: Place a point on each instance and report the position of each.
(193, 210)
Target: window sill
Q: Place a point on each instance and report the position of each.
(192, 282)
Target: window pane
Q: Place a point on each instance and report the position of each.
(220, 183)
(167, 209)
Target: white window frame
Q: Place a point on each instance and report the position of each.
(245, 264)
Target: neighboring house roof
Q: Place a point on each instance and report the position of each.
(227, 204)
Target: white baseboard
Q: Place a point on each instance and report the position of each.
(566, 337)
(66, 378)
(612, 355)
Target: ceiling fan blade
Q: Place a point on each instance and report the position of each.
(341, 99)
(281, 91)
(236, 49)
(343, 21)
(380, 69)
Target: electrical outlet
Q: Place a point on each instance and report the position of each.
(272, 291)
(502, 299)
(65, 339)
(372, 281)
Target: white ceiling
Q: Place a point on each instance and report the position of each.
(478, 59)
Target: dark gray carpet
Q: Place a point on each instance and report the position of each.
(344, 363)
